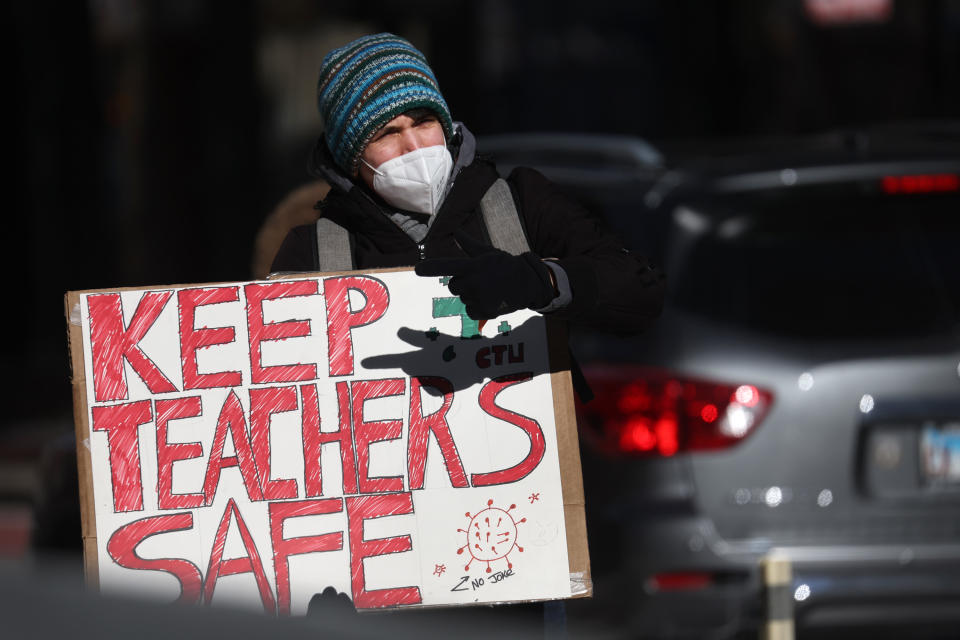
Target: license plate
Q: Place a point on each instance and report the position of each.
(940, 453)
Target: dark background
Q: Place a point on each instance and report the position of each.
(149, 139)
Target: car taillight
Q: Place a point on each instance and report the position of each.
(644, 411)
(923, 183)
(679, 581)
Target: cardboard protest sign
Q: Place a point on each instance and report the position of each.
(256, 442)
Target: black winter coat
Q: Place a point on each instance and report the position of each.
(613, 289)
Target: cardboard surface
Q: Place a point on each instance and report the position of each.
(133, 542)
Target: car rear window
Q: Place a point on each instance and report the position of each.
(843, 266)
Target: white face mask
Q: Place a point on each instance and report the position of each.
(415, 181)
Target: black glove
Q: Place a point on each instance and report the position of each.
(492, 282)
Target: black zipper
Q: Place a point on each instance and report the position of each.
(421, 246)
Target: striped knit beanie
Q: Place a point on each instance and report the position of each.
(365, 84)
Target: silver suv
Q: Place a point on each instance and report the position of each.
(800, 393)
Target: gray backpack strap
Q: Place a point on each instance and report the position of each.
(503, 222)
(333, 247)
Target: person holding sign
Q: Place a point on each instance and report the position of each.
(211, 417)
(410, 189)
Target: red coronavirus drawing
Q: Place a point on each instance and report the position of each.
(491, 535)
